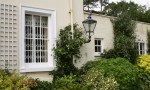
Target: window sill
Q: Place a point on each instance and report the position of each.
(97, 54)
(40, 69)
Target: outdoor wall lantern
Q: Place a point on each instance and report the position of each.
(89, 25)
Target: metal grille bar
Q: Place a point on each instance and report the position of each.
(36, 38)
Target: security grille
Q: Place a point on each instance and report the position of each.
(36, 38)
(8, 37)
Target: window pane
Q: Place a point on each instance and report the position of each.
(44, 21)
(37, 32)
(45, 45)
(99, 49)
(45, 33)
(36, 20)
(96, 49)
(28, 19)
(36, 41)
(99, 42)
(37, 56)
(28, 56)
(95, 42)
(141, 46)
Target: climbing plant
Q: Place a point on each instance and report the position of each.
(124, 39)
(148, 42)
(68, 48)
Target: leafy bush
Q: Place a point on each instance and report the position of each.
(143, 63)
(66, 48)
(110, 54)
(124, 39)
(42, 85)
(125, 73)
(94, 80)
(66, 83)
(148, 41)
(14, 81)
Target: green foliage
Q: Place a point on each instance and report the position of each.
(110, 54)
(66, 83)
(124, 39)
(87, 2)
(14, 81)
(132, 9)
(148, 40)
(143, 63)
(93, 4)
(135, 11)
(42, 85)
(144, 79)
(145, 17)
(94, 80)
(66, 48)
(125, 73)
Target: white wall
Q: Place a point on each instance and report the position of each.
(104, 28)
(62, 8)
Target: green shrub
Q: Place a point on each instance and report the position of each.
(66, 83)
(124, 39)
(66, 48)
(143, 63)
(13, 81)
(42, 85)
(125, 73)
(95, 80)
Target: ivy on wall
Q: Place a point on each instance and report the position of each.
(66, 48)
(124, 39)
(148, 42)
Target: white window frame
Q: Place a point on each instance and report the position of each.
(36, 67)
(145, 47)
(98, 53)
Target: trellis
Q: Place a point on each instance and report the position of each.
(8, 37)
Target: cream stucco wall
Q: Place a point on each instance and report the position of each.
(141, 31)
(103, 30)
(62, 9)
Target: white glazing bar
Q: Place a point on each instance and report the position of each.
(33, 42)
(12, 39)
(8, 40)
(4, 40)
(0, 40)
(40, 37)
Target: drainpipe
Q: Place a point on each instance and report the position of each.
(71, 16)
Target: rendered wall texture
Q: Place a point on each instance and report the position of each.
(63, 13)
(103, 30)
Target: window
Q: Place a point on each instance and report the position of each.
(141, 48)
(37, 36)
(98, 46)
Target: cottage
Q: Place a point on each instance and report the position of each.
(29, 28)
